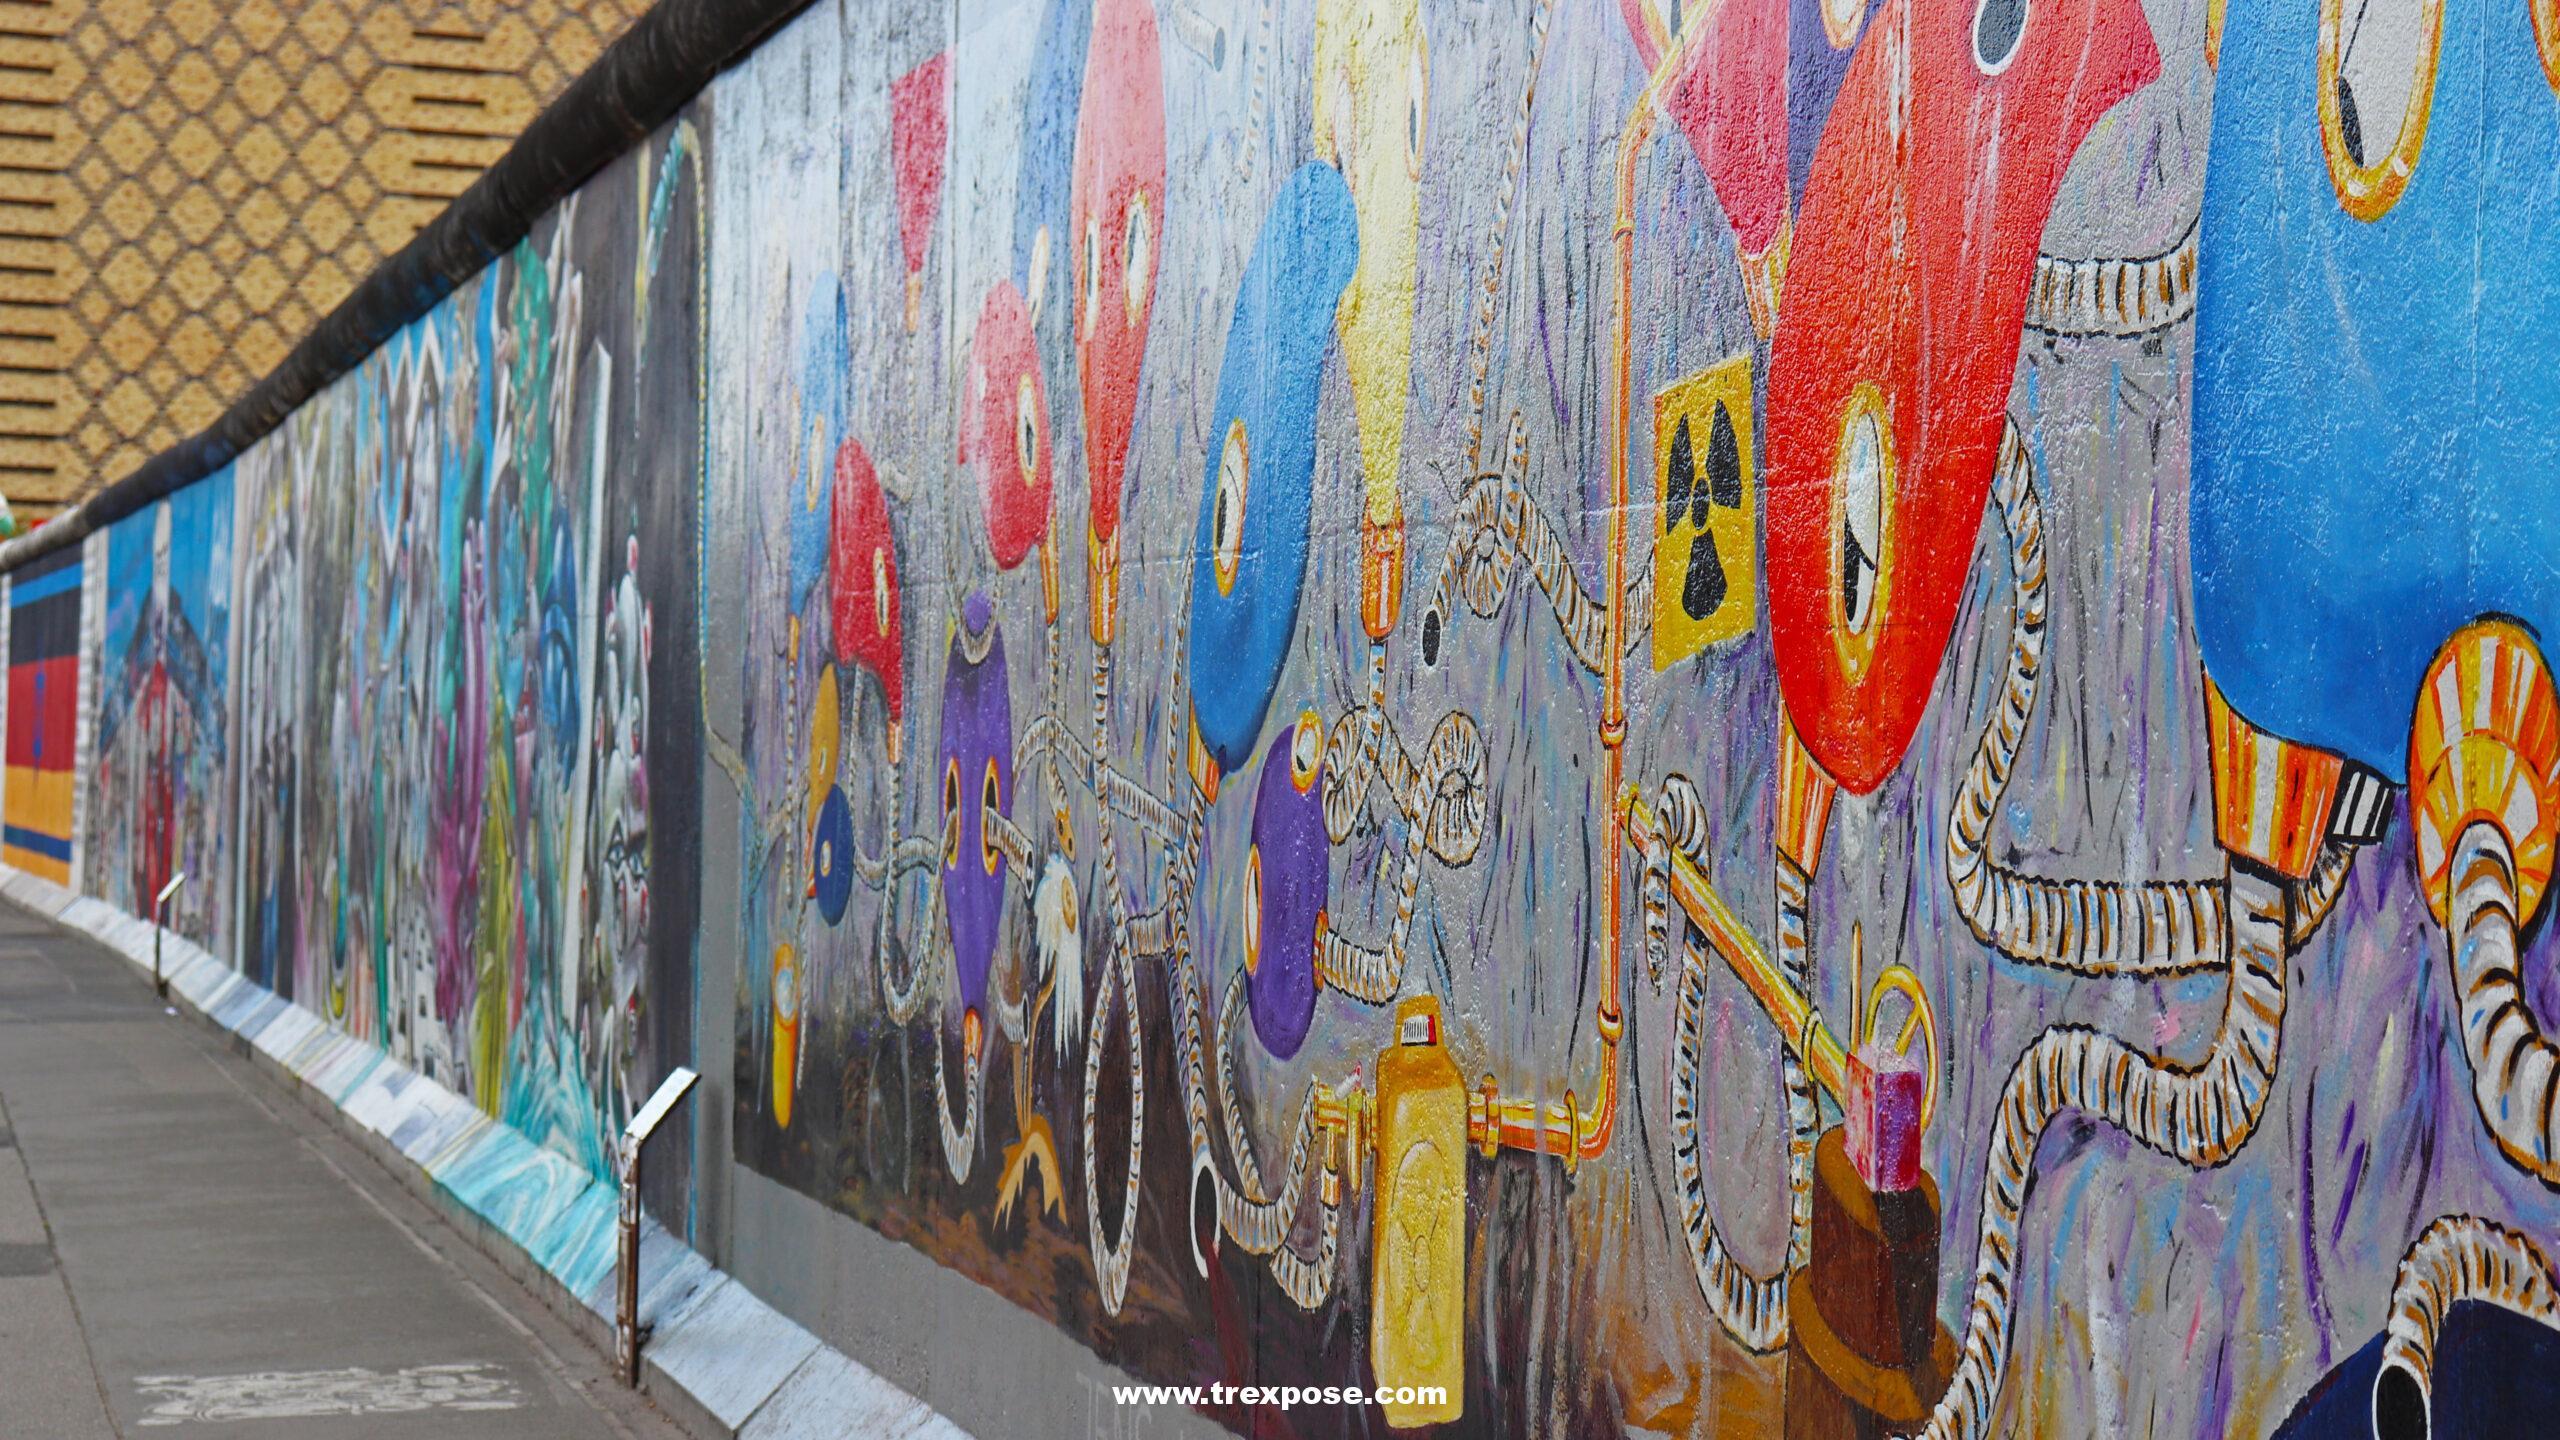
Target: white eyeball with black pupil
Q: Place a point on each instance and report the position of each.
(1140, 255)
(1226, 512)
(1092, 273)
(1999, 31)
(880, 589)
(990, 797)
(1026, 430)
(1862, 481)
(951, 812)
(1306, 750)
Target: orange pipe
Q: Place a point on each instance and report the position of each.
(1568, 1131)
(1791, 1011)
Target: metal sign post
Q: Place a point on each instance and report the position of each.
(159, 902)
(626, 1323)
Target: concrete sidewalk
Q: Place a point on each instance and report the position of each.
(182, 1245)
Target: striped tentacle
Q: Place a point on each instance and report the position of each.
(1680, 819)
(1751, 1308)
(2200, 1115)
(2515, 1070)
(959, 1143)
(1795, 960)
(2459, 1258)
(1111, 1256)
(2087, 927)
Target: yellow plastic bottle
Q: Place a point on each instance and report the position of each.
(786, 1031)
(1418, 1278)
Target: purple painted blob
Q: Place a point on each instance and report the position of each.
(1285, 888)
(977, 740)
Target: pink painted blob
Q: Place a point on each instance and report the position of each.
(868, 627)
(1004, 436)
(1117, 223)
(919, 106)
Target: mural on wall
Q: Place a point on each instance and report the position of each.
(1779, 715)
(160, 770)
(43, 716)
(1540, 699)
(468, 726)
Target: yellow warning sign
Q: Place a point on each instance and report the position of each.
(1706, 538)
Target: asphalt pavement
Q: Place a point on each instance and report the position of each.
(187, 1249)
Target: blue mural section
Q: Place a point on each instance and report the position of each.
(2374, 414)
(161, 771)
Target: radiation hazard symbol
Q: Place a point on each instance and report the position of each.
(1706, 541)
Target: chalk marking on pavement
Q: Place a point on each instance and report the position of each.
(305, 1394)
(561, 1372)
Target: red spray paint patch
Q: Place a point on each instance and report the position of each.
(864, 557)
(918, 110)
(1898, 337)
(1730, 100)
(1005, 435)
(1117, 217)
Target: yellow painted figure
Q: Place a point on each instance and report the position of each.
(1418, 1276)
(1373, 87)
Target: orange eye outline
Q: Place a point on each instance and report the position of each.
(1026, 433)
(991, 796)
(2368, 191)
(1226, 513)
(1865, 417)
(2546, 38)
(951, 812)
(1306, 750)
(1253, 912)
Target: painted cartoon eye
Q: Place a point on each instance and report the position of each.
(1862, 479)
(2377, 81)
(1417, 105)
(1226, 517)
(951, 812)
(1039, 276)
(1999, 29)
(1026, 430)
(990, 796)
(786, 985)
(818, 459)
(1140, 254)
(880, 589)
(1306, 750)
(1092, 275)
(1253, 912)
(1841, 20)
(2546, 39)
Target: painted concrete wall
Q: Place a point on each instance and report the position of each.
(1698, 719)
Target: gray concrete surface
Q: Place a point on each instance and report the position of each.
(184, 1249)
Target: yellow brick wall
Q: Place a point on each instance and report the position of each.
(187, 186)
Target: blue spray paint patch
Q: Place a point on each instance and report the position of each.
(1250, 552)
(1047, 178)
(821, 367)
(831, 856)
(2372, 420)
